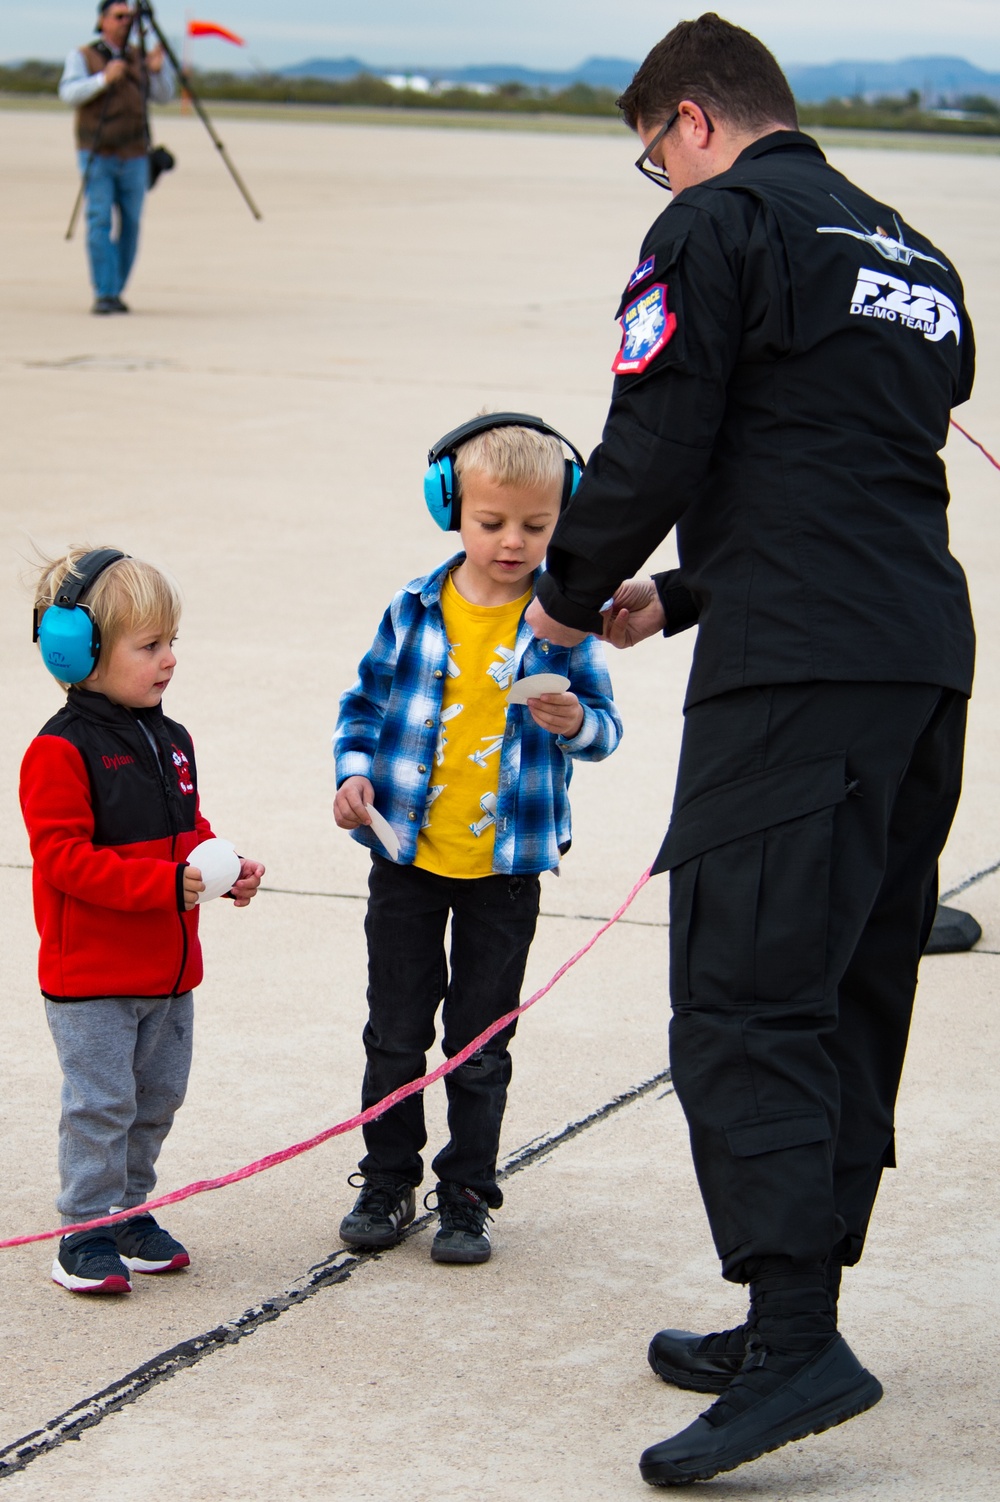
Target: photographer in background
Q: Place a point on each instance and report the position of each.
(109, 85)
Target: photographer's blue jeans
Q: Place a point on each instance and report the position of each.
(114, 183)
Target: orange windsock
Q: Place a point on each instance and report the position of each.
(210, 29)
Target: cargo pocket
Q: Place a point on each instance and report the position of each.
(751, 804)
(772, 1134)
(750, 884)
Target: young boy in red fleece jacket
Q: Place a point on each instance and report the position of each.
(109, 797)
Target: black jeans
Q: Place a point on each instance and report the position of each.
(492, 925)
(803, 852)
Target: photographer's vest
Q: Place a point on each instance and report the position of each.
(114, 122)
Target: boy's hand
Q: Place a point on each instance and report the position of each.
(246, 884)
(193, 885)
(350, 805)
(560, 713)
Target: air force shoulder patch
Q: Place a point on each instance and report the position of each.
(647, 328)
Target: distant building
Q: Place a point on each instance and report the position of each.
(418, 83)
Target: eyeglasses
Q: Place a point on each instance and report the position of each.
(659, 175)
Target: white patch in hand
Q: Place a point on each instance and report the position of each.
(535, 685)
(383, 831)
(219, 866)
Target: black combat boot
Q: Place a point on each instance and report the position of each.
(708, 1363)
(799, 1377)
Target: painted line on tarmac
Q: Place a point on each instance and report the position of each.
(963, 886)
(330, 1273)
(363, 897)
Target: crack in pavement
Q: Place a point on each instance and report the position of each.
(331, 1272)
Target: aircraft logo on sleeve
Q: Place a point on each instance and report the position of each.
(644, 269)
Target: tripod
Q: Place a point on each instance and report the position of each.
(146, 20)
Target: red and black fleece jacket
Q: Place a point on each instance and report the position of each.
(110, 800)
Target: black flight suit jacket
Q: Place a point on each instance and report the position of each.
(791, 352)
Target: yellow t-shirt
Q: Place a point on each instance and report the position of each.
(460, 817)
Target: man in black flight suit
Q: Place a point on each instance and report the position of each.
(791, 352)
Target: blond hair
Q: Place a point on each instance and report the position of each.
(520, 457)
(127, 597)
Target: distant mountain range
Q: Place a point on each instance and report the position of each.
(946, 77)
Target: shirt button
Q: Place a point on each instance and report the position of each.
(429, 724)
(545, 646)
(438, 673)
(421, 767)
(411, 816)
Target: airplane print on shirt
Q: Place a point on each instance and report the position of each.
(488, 804)
(442, 740)
(433, 794)
(502, 672)
(493, 745)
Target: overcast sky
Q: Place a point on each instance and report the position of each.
(536, 33)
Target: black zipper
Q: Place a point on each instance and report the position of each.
(159, 765)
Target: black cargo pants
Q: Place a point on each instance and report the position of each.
(803, 846)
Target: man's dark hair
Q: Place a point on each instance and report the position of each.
(717, 65)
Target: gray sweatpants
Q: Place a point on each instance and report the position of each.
(125, 1063)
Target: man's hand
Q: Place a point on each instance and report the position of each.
(636, 612)
(114, 70)
(550, 630)
(350, 805)
(193, 886)
(246, 884)
(560, 713)
(154, 59)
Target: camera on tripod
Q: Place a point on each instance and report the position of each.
(159, 158)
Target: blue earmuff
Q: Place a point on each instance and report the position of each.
(67, 633)
(439, 490)
(441, 487)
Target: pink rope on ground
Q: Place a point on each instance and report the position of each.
(975, 441)
(353, 1122)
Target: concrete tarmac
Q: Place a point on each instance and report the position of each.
(258, 425)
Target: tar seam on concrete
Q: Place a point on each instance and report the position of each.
(331, 1273)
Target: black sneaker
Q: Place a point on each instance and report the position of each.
(88, 1262)
(464, 1235)
(699, 1363)
(381, 1212)
(104, 305)
(146, 1247)
(775, 1399)
(118, 306)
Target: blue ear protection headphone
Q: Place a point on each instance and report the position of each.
(441, 487)
(67, 633)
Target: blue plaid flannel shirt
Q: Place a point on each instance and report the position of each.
(387, 731)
